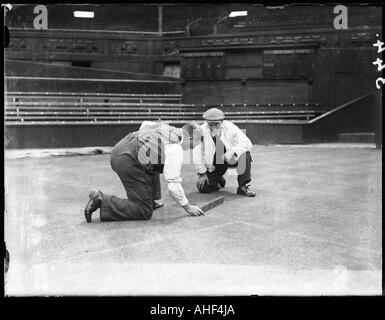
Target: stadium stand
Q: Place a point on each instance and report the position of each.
(64, 107)
(131, 64)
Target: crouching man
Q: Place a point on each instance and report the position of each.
(138, 159)
(223, 146)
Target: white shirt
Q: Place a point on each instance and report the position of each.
(232, 137)
(173, 161)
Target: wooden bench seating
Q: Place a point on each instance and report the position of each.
(142, 116)
(80, 104)
(146, 112)
(87, 94)
(69, 107)
(90, 97)
(51, 119)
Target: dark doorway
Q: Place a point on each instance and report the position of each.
(84, 64)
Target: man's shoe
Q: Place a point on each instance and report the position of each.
(157, 205)
(222, 182)
(244, 191)
(93, 204)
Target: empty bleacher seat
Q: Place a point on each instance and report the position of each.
(62, 108)
(90, 97)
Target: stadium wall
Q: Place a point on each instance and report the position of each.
(357, 116)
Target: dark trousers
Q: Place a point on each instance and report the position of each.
(141, 187)
(243, 167)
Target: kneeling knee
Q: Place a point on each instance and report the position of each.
(202, 190)
(208, 188)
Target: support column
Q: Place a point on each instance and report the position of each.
(160, 20)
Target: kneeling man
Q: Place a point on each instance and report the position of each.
(138, 159)
(223, 146)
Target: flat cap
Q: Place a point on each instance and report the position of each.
(213, 114)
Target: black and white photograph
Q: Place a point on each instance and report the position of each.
(192, 149)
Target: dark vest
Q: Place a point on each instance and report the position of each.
(147, 145)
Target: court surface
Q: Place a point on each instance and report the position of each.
(314, 228)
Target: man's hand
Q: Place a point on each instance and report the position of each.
(202, 179)
(193, 210)
(229, 157)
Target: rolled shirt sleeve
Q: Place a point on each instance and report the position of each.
(198, 158)
(173, 162)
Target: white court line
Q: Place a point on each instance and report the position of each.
(335, 145)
